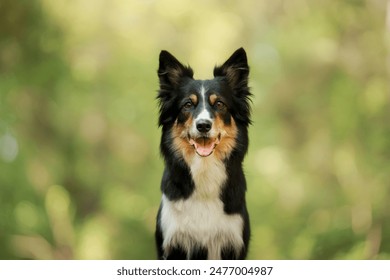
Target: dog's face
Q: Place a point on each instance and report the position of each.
(204, 121)
(202, 115)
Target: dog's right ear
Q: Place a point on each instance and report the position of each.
(171, 71)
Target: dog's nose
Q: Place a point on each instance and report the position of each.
(203, 125)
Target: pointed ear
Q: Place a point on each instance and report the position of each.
(171, 71)
(235, 69)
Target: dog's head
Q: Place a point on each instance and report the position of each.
(204, 116)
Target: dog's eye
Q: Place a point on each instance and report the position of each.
(187, 105)
(220, 105)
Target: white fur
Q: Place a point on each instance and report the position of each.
(203, 115)
(200, 219)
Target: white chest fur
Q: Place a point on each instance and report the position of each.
(200, 219)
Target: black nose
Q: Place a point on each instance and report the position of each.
(203, 125)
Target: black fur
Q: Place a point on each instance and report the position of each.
(230, 82)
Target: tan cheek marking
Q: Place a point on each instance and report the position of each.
(180, 144)
(228, 138)
(213, 98)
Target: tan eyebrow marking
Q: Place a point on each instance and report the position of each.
(213, 98)
(194, 98)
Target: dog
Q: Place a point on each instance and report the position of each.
(203, 213)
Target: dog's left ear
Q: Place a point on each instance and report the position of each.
(235, 69)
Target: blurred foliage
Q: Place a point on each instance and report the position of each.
(79, 160)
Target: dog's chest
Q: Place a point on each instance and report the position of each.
(200, 219)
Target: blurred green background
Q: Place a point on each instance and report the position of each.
(79, 162)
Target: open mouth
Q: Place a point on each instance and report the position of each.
(204, 146)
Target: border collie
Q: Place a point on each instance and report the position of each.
(203, 212)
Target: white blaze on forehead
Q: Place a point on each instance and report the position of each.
(204, 114)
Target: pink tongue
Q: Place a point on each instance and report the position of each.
(203, 150)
